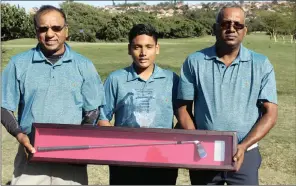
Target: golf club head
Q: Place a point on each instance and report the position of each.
(201, 150)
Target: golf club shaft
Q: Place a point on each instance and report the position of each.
(81, 147)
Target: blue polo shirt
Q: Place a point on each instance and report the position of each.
(47, 93)
(139, 103)
(226, 98)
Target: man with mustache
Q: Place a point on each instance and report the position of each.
(233, 89)
(141, 95)
(49, 84)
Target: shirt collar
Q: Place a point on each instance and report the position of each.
(157, 73)
(39, 57)
(244, 54)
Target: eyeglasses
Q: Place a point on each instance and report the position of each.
(43, 29)
(227, 24)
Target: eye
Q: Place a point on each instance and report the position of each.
(57, 28)
(42, 29)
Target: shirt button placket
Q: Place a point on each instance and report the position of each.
(223, 70)
(52, 75)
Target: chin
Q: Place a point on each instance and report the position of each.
(232, 44)
(142, 66)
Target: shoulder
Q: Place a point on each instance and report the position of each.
(118, 75)
(23, 58)
(202, 54)
(85, 66)
(79, 58)
(21, 61)
(260, 61)
(168, 73)
(257, 57)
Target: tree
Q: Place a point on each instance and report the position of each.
(272, 23)
(15, 23)
(206, 18)
(117, 28)
(254, 25)
(288, 27)
(85, 21)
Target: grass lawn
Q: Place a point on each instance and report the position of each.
(277, 148)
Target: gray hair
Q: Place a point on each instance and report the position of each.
(229, 5)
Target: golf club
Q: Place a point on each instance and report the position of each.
(200, 149)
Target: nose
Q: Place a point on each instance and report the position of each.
(231, 27)
(50, 33)
(143, 52)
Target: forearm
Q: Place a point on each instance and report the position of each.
(261, 128)
(9, 122)
(186, 121)
(185, 116)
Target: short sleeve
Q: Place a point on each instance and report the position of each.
(268, 84)
(92, 88)
(10, 87)
(107, 110)
(187, 82)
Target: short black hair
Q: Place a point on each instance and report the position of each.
(140, 29)
(48, 8)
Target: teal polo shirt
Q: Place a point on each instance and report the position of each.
(227, 98)
(47, 93)
(139, 103)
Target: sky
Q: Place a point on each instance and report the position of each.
(29, 4)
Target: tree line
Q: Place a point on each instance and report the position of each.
(90, 24)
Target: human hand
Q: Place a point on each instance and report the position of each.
(23, 139)
(238, 158)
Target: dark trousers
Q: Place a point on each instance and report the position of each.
(247, 175)
(123, 175)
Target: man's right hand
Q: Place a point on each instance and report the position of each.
(24, 140)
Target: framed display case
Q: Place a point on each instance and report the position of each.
(194, 149)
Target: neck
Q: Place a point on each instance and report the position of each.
(47, 53)
(144, 73)
(227, 54)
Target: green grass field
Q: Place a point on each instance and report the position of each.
(277, 148)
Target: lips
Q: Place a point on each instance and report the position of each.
(230, 37)
(51, 42)
(143, 59)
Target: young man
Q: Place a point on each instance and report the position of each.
(233, 89)
(141, 95)
(49, 84)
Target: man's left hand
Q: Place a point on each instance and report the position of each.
(239, 156)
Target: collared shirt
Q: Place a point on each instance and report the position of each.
(47, 93)
(139, 103)
(226, 98)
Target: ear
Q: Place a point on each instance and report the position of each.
(245, 30)
(129, 49)
(67, 32)
(157, 48)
